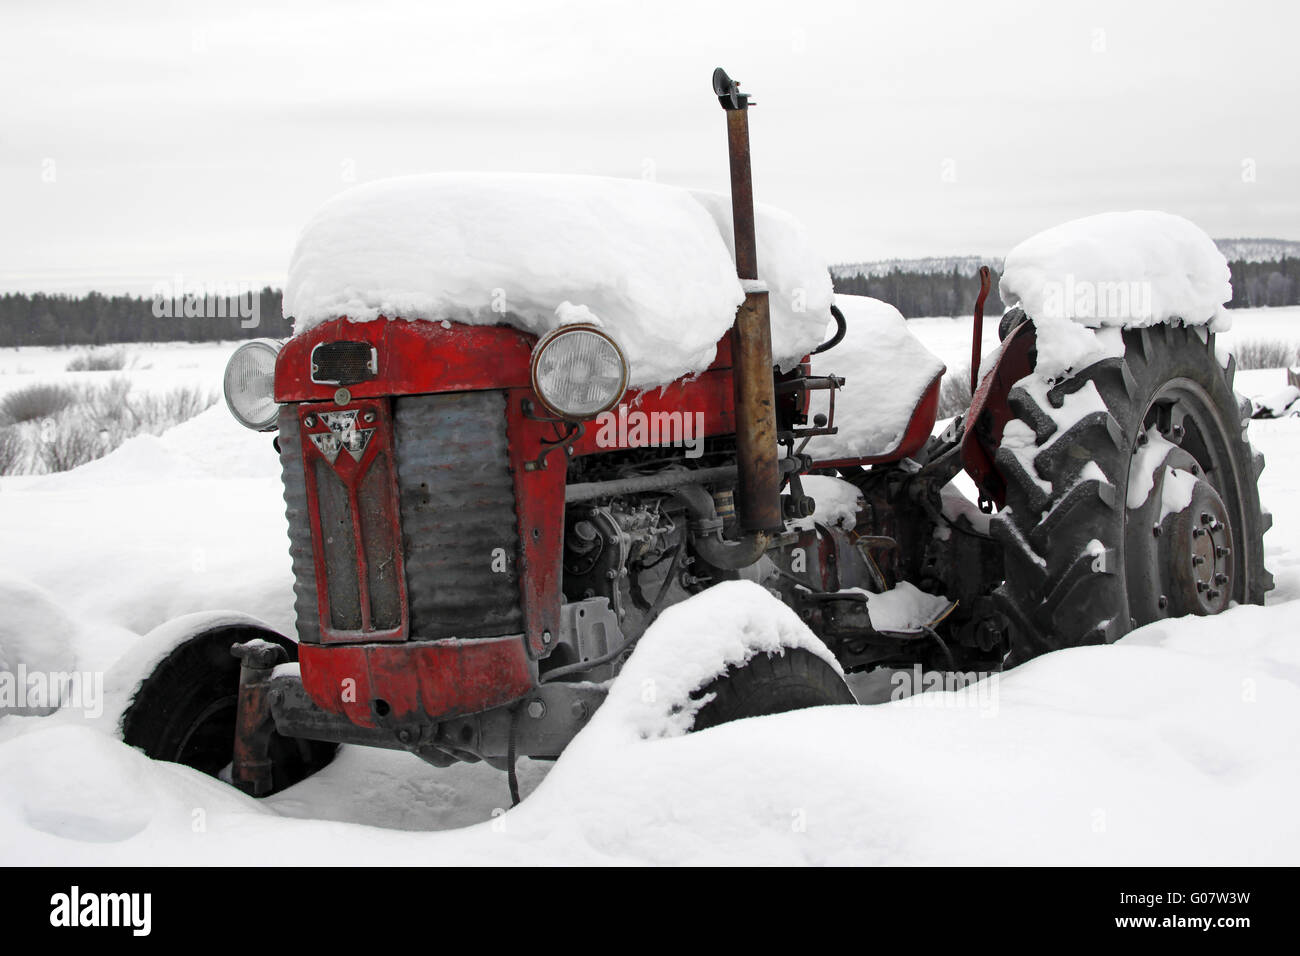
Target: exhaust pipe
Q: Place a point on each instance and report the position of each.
(758, 502)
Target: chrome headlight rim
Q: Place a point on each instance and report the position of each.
(550, 338)
(270, 421)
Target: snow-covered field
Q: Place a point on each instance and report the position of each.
(1179, 745)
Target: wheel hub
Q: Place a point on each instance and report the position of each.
(1196, 559)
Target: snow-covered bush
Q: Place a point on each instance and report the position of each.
(98, 360)
(954, 392)
(1265, 353)
(35, 402)
(82, 424)
(12, 450)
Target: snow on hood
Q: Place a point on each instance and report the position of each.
(886, 371)
(1117, 269)
(651, 263)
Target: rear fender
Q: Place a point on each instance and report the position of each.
(989, 412)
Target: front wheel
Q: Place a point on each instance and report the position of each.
(1131, 495)
(771, 684)
(184, 710)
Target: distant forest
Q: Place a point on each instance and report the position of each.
(96, 319)
(914, 293)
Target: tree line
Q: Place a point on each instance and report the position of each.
(98, 319)
(914, 293)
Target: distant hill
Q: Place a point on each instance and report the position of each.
(1234, 250)
(1265, 272)
(1258, 250)
(934, 265)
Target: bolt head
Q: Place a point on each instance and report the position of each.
(1162, 602)
(536, 709)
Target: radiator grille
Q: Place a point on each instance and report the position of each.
(458, 515)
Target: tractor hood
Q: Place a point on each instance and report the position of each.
(651, 264)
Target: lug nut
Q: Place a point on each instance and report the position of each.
(1205, 517)
(1222, 551)
(1197, 560)
(1201, 586)
(1220, 578)
(1213, 594)
(1198, 532)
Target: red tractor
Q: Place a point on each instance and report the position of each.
(472, 567)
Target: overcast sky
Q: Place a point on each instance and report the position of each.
(142, 140)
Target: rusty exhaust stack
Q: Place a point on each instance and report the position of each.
(758, 502)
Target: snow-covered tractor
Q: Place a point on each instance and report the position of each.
(521, 416)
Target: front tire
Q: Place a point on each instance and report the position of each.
(771, 684)
(184, 710)
(1143, 507)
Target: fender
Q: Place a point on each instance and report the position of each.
(989, 412)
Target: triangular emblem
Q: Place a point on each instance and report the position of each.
(343, 434)
(327, 445)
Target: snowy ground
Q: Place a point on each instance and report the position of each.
(1179, 745)
(151, 366)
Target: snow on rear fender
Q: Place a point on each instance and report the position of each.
(1113, 270)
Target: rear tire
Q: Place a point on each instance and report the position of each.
(1086, 561)
(184, 711)
(771, 684)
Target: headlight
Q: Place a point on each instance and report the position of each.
(249, 384)
(578, 372)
